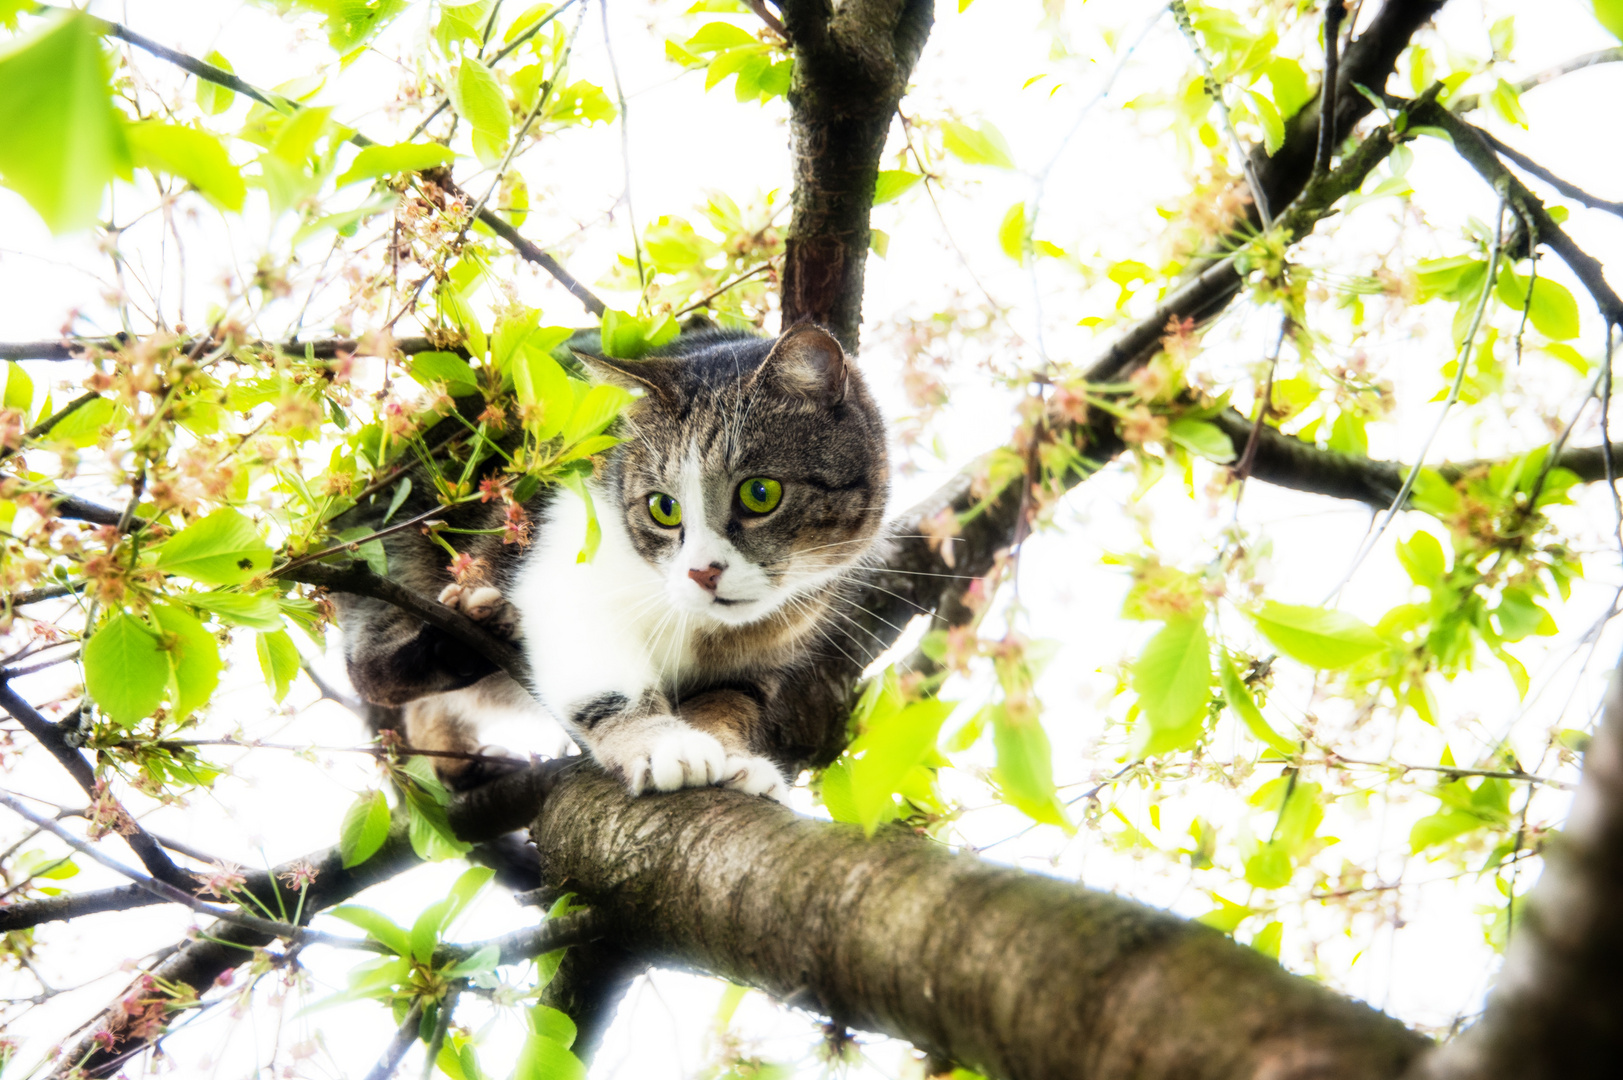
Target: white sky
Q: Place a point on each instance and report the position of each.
(1101, 196)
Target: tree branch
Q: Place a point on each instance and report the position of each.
(1030, 977)
(1554, 1010)
(852, 64)
(326, 349)
(1570, 190)
(147, 849)
(220, 77)
(1475, 149)
(1613, 55)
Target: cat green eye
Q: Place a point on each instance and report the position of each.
(665, 510)
(760, 495)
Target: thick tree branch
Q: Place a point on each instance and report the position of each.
(852, 64)
(1554, 1012)
(1013, 974)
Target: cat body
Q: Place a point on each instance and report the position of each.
(749, 485)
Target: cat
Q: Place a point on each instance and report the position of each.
(749, 485)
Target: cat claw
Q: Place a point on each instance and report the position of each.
(672, 758)
(754, 775)
(481, 603)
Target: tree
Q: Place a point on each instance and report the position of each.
(183, 498)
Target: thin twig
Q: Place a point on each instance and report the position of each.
(1334, 12)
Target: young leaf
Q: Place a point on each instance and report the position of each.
(257, 611)
(1244, 706)
(1317, 637)
(222, 549)
(1173, 678)
(378, 926)
(194, 656)
(477, 97)
(486, 959)
(213, 98)
(425, 932)
(893, 183)
(1203, 438)
(448, 368)
(554, 1024)
(544, 1058)
(126, 670)
(365, 828)
(375, 161)
(983, 146)
(62, 139)
(278, 661)
(1025, 769)
(195, 156)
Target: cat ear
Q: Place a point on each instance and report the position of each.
(650, 375)
(807, 360)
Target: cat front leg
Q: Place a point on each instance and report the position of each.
(645, 744)
(734, 718)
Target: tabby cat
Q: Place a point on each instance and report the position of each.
(749, 485)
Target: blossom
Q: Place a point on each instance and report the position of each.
(223, 880)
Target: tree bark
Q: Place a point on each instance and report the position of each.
(1557, 1011)
(1013, 974)
(852, 63)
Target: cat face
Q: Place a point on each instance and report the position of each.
(752, 471)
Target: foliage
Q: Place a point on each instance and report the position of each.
(1240, 723)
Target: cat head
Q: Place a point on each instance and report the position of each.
(752, 470)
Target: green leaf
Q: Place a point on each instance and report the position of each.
(1173, 679)
(1610, 14)
(1011, 233)
(1025, 769)
(195, 156)
(62, 139)
(1554, 312)
(224, 548)
(887, 750)
(1269, 868)
(540, 381)
(1267, 940)
(19, 386)
(1317, 637)
(365, 828)
(1442, 827)
(375, 161)
(554, 1024)
(213, 98)
(597, 409)
(126, 669)
(477, 97)
(378, 926)
(279, 661)
(486, 959)
(256, 611)
(715, 36)
(448, 368)
(544, 1058)
(1422, 556)
(84, 425)
(1226, 916)
(194, 656)
(468, 886)
(1244, 706)
(977, 146)
(425, 932)
(1203, 438)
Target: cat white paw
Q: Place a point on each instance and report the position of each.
(667, 758)
(754, 775)
(481, 603)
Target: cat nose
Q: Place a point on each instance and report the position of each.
(707, 577)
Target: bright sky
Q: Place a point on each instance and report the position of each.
(1101, 196)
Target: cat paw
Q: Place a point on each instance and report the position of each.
(669, 758)
(482, 604)
(754, 775)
